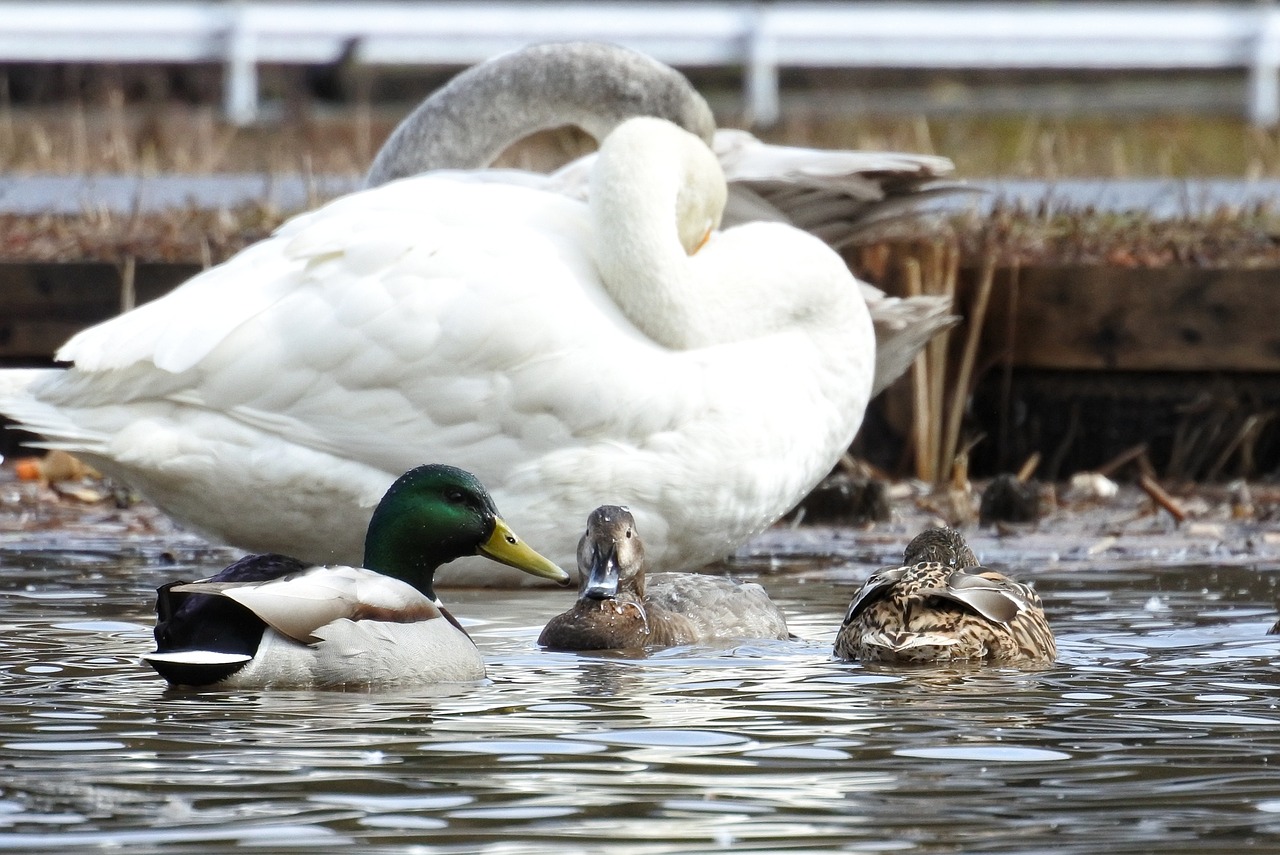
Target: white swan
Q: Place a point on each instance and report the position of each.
(533, 339)
(834, 194)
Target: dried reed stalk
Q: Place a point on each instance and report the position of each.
(1162, 499)
(933, 268)
(921, 423)
(969, 356)
(128, 284)
(939, 278)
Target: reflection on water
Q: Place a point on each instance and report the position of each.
(1154, 732)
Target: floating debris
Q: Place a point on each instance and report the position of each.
(55, 467)
(1092, 485)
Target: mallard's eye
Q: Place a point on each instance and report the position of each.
(455, 496)
(628, 534)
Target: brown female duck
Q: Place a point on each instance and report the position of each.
(619, 609)
(933, 609)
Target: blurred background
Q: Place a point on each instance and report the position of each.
(1115, 272)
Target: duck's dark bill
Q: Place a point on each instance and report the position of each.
(603, 576)
(504, 547)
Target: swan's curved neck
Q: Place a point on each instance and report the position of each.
(653, 196)
(477, 115)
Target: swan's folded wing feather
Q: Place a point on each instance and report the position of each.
(358, 228)
(221, 297)
(379, 310)
(745, 158)
(833, 194)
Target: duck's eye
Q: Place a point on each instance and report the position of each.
(628, 534)
(454, 496)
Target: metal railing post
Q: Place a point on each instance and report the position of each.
(1264, 70)
(763, 105)
(240, 73)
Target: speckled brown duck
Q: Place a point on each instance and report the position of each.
(618, 608)
(941, 606)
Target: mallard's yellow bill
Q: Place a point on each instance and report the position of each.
(504, 547)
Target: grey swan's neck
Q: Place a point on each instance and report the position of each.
(471, 120)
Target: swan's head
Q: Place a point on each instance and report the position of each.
(644, 148)
(610, 555)
(700, 203)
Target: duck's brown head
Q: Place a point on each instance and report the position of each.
(610, 555)
(944, 546)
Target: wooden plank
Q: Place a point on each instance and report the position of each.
(1067, 318)
(1169, 319)
(42, 305)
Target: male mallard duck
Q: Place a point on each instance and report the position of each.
(619, 609)
(271, 620)
(560, 350)
(932, 609)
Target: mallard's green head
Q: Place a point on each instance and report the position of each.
(434, 514)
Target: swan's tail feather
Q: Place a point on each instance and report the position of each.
(907, 203)
(19, 403)
(903, 327)
(15, 382)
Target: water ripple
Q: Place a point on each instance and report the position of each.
(1154, 731)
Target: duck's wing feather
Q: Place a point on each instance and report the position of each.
(300, 604)
(995, 597)
(716, 606)
(877, 585)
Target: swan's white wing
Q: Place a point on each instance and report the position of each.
(298, 605)
(222, 296)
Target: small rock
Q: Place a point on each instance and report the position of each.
(1092, 485)
(845, 500)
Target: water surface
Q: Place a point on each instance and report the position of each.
(1156, 731)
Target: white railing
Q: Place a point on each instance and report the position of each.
(760, 37)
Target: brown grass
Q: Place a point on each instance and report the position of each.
(181, 236)
(110, 135)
